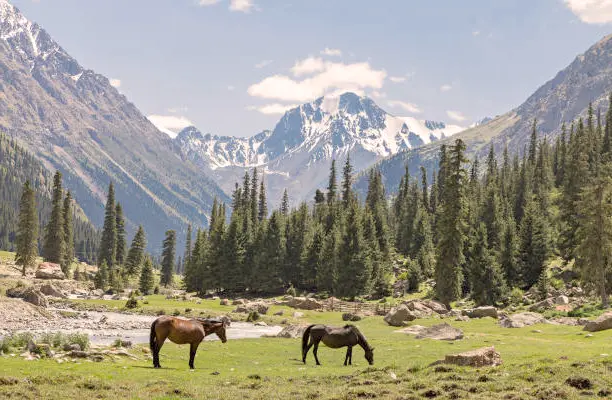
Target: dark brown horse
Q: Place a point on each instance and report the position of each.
(335, 338)
(183, 331)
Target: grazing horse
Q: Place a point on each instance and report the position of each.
(183, 331)
(335, 338)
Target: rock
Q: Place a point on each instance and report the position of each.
(569, 321)
(279, 313)
(260, 323)
(224, 302)
(419, 308)
(292, 331)
(51, 290)
(298, 314)
(304, 303)
(562, 300)
(399, 316)
(481, 312)
(78, 354)
(462, 318)
(35, 297)
(215, 298)
(436, 332)
(542, 305)
(602, 323)
(350, 317)
(436, 306)
(261, 308)
(238, 302)
(49, 270)
(17, 292)
(72, 347)
(486, 356)
(96, 292)
(521, 319)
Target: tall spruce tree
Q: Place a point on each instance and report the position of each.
(108, 242)
(168, 258)
(54, 247)
(27, 230)
(136, 253)
(354, 275)
(332, 185)
(147, 279)
(488, 285)
(188, 248)
(121, 240)
(68, 234)
(263, 203)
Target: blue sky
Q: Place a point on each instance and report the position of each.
(231, 67)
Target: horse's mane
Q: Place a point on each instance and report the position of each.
(360, 335)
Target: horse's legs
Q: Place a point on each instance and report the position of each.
(346, 357)
(350, 355)
(305, 353)
(192, 352)
(314, 351)
(158, 346)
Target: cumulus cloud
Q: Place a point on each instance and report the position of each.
(169, 124)
(174, 110)
(378, 95)
(323, 77)
(271, 109)
(591, 11)
(331, 52)
(263, 63)
(116, 83)
(445, 88)
(410, 107)
(208, 2)
(244, 6)
(397, 79)
(456, 116)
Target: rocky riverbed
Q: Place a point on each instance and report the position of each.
(102, 327)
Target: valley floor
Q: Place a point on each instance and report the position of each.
(537, 362)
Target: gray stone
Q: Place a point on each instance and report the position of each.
(602, 323)
(51, 290)
(398, 316)
(49, 270)
(521, 319)
(486, 356)
(562, 300)
(35, 297)
(481, 312)
(292, 331)
(442, 331)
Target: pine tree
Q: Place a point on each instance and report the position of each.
(270, 260)
(263, 203)
(147, 279)
(108, 242)
(234, 252)
(327, 275)
(509, 254)
(188, 248)
(285, 204)
(425, 189)
(534, 244)
(488, 286)
(451, 226)
(54, 247)
(135, 255)
(116, 280)
(332, 185)
(595, 234)
(68, 234)
(347, 182)
(121, 240)
(312, 258)
(168, 256)
(254, 199)
(101, 279)
(27, 231)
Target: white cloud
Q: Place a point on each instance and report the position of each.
(410, 107)
(378, 95)
(456, 116)
(231, 88)
(208, 2)
(263, 63)
(274, 108)
(591, 11)
(116, 83)
(475, 33)
(331, 52)
(244, 6)
(326, 77)
(397, 79)
(445, 88)
(169, 124)
(308, 66)
(174, 110)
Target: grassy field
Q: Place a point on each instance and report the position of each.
(537, 361)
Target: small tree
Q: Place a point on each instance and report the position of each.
(27, 232)
(101, 279)
(168, 256)
(68, 235)
(147, 281)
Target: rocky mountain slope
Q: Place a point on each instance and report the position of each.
(297, 154)
(564, 98)
(73, 120)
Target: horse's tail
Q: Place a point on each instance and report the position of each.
(305, 338)
(153, 338)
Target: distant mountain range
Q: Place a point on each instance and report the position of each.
(566, 97)
(297, 154)
(73, 120)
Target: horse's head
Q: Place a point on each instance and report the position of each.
(216, 326)
(369, 355)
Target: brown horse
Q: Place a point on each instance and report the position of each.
(183, 331)
(335, 338)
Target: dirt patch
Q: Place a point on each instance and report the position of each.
(579, 382)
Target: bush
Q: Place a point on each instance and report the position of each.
(557, 283)
(82, 339)
(137, 292)
(176, 313)
(253, 316)
(15, 341)
(414, 276)
(188, 310)
(291, 291)
(161, 312)
(516, 296)
(156, 290)
(131, 303)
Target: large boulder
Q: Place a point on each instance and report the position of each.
(418, 308)
(259, 307)
(34, 296)
(50, 290)
(292, 331)
(484, 357)
(602, 323)
(17, 292)
(569, 321)
(521, 319)
(481, 312)
(351, 317)
(562, 300)
(399, 316)
(542, 305)
(435, 306)
(436, 332)
(49, 270)
(304, 303)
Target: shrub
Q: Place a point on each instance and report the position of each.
(414, 276)
(156, 290)
(516, 296)
(188, 310)
(253, 316)
(137, 292)
(557, 283)
(131, 303)
(161, 312)
(176, 313)
(291, 291)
